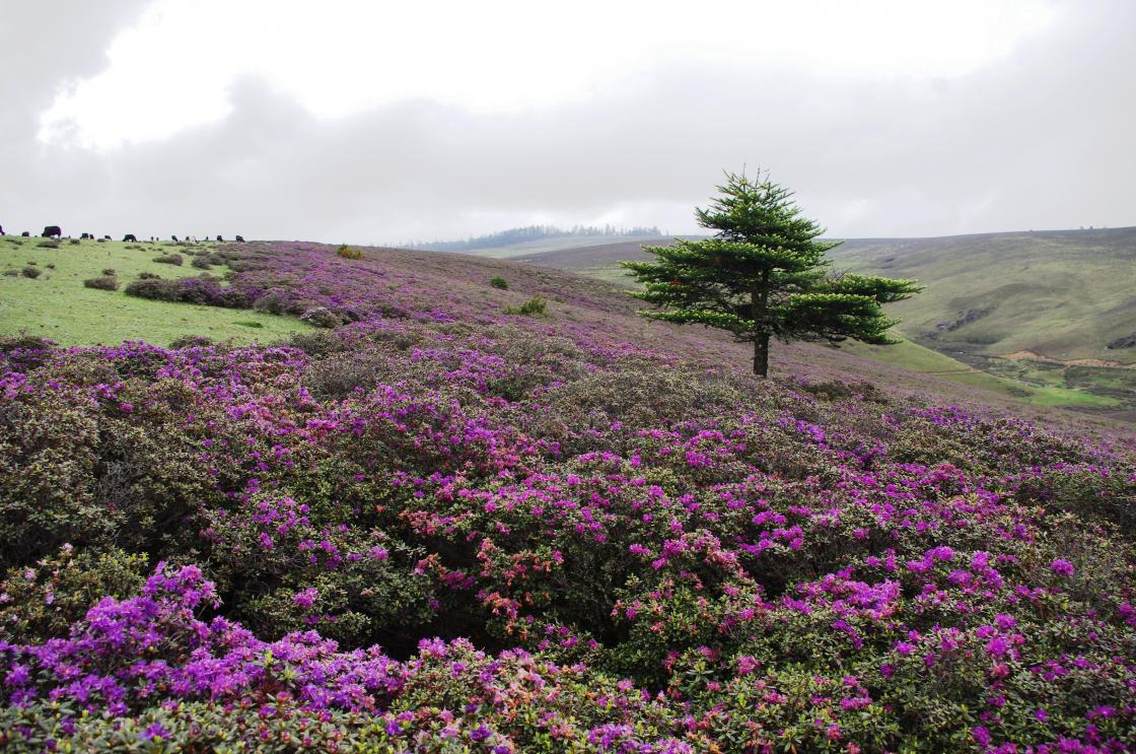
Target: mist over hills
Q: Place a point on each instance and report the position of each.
(530, 234)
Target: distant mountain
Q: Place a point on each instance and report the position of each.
(534, 233)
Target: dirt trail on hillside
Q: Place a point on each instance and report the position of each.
(1032, 356)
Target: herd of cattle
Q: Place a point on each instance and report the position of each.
(54, 231)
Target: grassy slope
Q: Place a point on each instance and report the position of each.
(57, 306)
(1062, 294)
(602, 262)
(917, 358)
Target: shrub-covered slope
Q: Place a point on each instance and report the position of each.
(441, 528)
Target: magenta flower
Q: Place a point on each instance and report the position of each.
(306, 598)
(1062, 567)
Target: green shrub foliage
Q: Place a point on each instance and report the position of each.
(457, 531)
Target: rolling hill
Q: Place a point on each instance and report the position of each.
(1064, 295)
(1041, 309)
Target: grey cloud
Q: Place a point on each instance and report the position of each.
(1041, 139)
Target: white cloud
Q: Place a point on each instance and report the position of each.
(175, 68)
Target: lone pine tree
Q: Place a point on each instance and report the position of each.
(764, 275)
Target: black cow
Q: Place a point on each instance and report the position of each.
(220, 239)
(1, 230)
(175, 238)
(84, 237)
(129, 237)
(52, 231)
(240, 239)
(25, 234)
(106, 238)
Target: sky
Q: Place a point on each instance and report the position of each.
(375, 122)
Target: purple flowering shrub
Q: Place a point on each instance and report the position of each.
(436, 528)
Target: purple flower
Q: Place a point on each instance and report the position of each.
(1062, 567)
(156, 730)
(306, 598)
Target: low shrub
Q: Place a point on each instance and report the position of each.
(201, 263)
(174, 259)
(24, 352)
(191, 341)
(109, 271)
(321, 316)
(347, 252)
(279, 301)
(48, 244)
(46, 597)
(318, 344)
(31, 272)
(149, 276)
(203, 290)
(534, 307)
(103, 283)
(499, 283)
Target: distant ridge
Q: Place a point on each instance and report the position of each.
(531, 233)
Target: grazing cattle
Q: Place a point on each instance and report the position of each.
(25, 234)
(84, 236)
(52, 231)
(129, 237)
(240, 239)
(1, 230)
(220, 239)
(175, 238)
(106, 238)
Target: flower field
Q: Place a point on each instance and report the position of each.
(439, 527)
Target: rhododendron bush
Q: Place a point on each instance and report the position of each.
(443, 528)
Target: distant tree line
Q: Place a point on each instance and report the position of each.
(534, 233)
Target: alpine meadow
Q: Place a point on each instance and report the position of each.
(553, 437)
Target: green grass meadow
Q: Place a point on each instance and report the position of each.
(56, 305)
(917, 358)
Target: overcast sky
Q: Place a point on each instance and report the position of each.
(371, 121)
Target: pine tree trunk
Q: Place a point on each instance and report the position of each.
(761, 356)
(759, 305)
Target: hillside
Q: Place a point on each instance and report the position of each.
(438, 525)
(1061, 294)
(1064, 295)
(1034, 311)
(55, 304)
